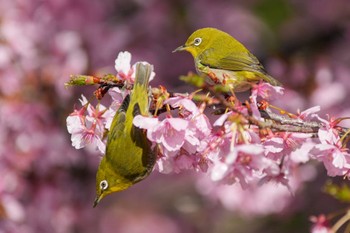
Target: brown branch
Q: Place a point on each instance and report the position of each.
(272, 121)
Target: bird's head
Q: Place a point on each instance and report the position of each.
(201, 40)
(107, 182)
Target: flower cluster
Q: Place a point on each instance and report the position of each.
(88, 129)
(180, 139)
(232, 148)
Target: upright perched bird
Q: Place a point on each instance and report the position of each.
(129, 157)
(225, 60)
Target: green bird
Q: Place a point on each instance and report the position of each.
(129, 157)
(225, 60)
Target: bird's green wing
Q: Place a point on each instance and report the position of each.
(243, 61)
(237, 62)
(147, 157)
(129, 153)
(128, 150)
(118, 123)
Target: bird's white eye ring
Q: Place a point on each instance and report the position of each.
(197, 41)
(103, 184)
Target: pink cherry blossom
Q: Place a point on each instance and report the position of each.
(199, 126)
(77, 117)
(99, 114)
(185, 133)
(125, 71)
(75, 120)
(222, 119)
(266, 90)
(118, 96)
(254, 106)
(88, 134)
(148, 123)
(330, 150)
(302, 153)
(240, 165)
(284, 143)
(122, 63)
(170, 133)
(165, 165)
(87, 129)
(183, 101)
(308, 113)
(123, 67)
(184, 162)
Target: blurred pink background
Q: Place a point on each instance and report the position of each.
(48, 186)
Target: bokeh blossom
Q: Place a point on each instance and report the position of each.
(320, 224)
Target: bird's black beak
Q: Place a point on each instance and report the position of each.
(180, 48)
(97, 200)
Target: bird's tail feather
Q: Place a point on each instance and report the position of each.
(143, 73)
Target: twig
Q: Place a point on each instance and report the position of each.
(273, 121)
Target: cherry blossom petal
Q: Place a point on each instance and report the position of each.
(122, 63)
(218, 171)
(178, 123)
(145, 122)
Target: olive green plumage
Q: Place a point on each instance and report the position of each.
(225, 60)
(129, 157)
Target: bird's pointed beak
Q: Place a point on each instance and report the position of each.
(97, 200)
(180, 48)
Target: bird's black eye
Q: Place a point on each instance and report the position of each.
(103, 184)
(197, 41)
